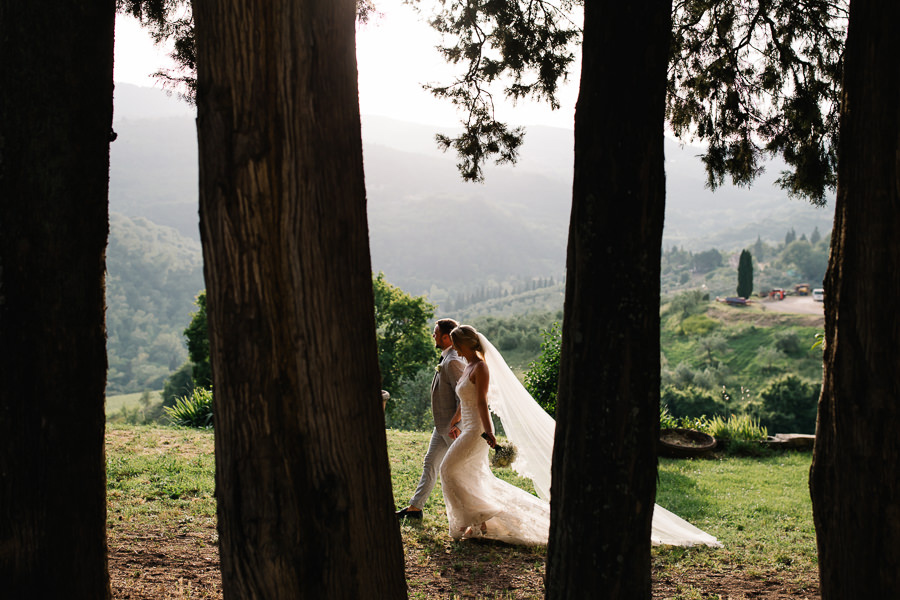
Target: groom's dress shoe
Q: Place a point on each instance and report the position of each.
(409, 514)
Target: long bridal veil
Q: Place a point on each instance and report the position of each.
(532, 431)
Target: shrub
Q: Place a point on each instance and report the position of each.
(666, 420)
(180, 383)
(698, 325)
(542, 378)
(691, 401)
(195, 410)
(712, 378)
(681, 376)
(685, 304)
(769, 358)
(787, 341)
(410, 405)
(789, 404)
(737, 428)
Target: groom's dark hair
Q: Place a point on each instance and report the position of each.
(447, 325)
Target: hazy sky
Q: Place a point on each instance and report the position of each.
(396, 55)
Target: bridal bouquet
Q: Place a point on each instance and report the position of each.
(504, 455)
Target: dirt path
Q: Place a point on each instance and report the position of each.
(801, 305)
(792, 310)
(175, 564)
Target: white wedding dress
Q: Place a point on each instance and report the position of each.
(474, 496)
(481, 505)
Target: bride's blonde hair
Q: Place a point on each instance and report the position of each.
(467, 336)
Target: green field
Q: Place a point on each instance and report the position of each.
(161, 479)
(121, 404)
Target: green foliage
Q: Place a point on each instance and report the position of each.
(790, 237)
(666, 420)
(528, 43)
(706, 261)
(800, 261)
(402, 329)
(683, 306)
(197, 334)
(691, 401)
(712, 345)
(807, 261)
(790, 404)
(820, 341)
(745, 275)
(153, 274)
(410, 405)
(770, 359)
(760, 78)
(517, 337)
(698, 325)
(815, 236)
(195, 410)
(147, 409)
(750, 352)
(788, 341)
(737, 428)
(180, 383)
(542, 378)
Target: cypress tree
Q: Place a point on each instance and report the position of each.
(745, 275)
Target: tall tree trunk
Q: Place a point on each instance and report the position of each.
(55, 119)
(854, 477)
(303, 486)
(604, 459)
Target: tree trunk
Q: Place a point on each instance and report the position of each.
(604, 459)
(303, 486)
(55, 119)
(854, 477)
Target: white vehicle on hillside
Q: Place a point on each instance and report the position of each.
(818, 295)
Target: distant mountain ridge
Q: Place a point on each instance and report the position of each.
(429, 231)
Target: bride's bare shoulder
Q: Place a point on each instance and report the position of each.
(481, 369)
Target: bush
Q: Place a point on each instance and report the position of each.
(737, 428)
(542, 378)
(769, 358)
(180, 383)
(787, 341)
(789, 404)
(195, 410)
(698, 325)
(410, 405)
(691, 401)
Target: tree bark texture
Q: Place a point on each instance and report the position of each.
(55, 121)
(604, 460)
(302, 479)
(855, 476)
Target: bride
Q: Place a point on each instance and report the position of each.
(481, 505)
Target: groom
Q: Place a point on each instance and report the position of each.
(444, 410)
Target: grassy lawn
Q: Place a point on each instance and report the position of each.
(161, 504)
(114, 404)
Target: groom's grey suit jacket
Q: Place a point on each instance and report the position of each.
(444, 400)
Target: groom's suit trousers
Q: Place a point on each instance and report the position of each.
(436, 451)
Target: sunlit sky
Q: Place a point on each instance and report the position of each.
(396, 55)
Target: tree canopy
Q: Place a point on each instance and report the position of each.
(750, 79)
(404, 340)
